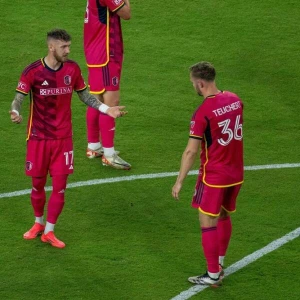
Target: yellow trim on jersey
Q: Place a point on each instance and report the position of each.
(222, 186)
(22, 92)
(30, 118)
(122, 4)
(107, 43)
(197, 136)
(204, 172)
(81, 89)
(42, 60)
(209, 214)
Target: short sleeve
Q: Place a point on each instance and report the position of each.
(79, 81)
(198, 124)
(24, 84)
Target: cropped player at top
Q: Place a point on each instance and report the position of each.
(216, 128)
(103, 48)
(50, 81)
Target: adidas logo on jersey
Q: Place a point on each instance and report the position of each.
(45, 83)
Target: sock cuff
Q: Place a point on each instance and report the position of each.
(224, 219)
(207, 229)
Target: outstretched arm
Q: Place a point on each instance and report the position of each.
(92, 101)
(16, 108)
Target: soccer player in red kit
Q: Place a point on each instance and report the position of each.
(103, 48)
(216, 127)
(50, 81)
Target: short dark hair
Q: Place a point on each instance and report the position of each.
(58, 34)
(203, 70)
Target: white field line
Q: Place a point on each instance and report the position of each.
(243, 262)
(142, 176)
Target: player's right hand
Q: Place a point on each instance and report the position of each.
(15, 118)
(116, 111)
(176, 190)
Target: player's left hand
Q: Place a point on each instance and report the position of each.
(176, 190)
(116, 111)
(15, 118)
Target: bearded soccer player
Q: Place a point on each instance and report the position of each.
(216, 127)
(103, 47)
(50, 81)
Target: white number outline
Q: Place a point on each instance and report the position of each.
(69, 162)
(231, 134)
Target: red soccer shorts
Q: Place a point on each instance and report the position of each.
(209, 200)
(105, 78)
(53, 156)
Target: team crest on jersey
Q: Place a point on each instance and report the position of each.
(118, 2)
(115, 81)
(67, 80)
(28, 165)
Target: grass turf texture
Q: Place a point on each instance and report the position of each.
(131, 240)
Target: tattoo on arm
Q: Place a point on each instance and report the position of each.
(17, 102)
(89, 99)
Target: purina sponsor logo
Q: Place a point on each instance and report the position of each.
(56, 91)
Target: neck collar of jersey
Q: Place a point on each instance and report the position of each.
(212, 96)
(47, 67)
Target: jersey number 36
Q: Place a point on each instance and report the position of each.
(234, 133)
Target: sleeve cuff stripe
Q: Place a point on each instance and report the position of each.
(196, 137)
(24, 93)
(120, 6)
(81, 89)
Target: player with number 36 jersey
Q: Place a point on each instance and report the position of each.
(217, 129)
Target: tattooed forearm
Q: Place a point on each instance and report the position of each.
(89, 99)
(17, 102)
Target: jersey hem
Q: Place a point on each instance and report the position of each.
(98, 66)
(221, 186)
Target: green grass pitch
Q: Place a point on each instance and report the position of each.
(131, 240)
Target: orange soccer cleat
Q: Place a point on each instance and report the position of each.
(52, 239)
(34, 231)
(94, 153)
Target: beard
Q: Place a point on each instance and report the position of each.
(60, 58)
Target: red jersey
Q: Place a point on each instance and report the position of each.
(102, 34)
(50, 96)
(218, 123)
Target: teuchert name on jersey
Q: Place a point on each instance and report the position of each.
(228, 108)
